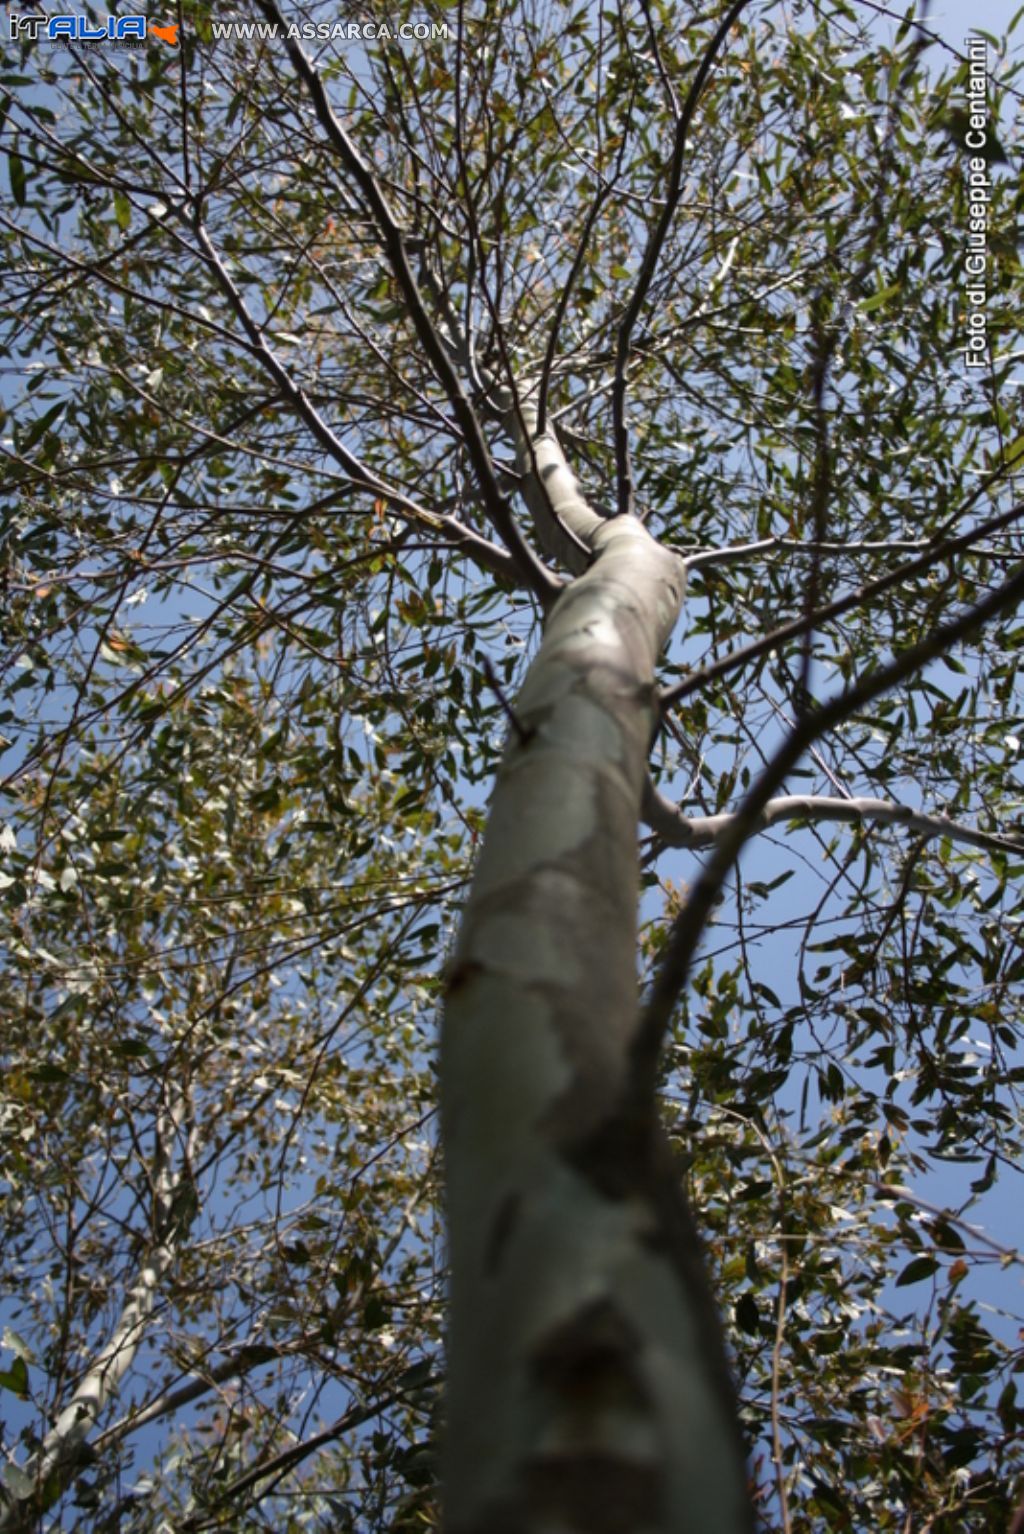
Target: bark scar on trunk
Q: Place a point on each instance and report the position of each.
(600, 1470)
(460, 974)
(502, 1227)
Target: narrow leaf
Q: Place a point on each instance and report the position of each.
(16, 170)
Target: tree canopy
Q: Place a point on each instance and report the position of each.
(305, 336)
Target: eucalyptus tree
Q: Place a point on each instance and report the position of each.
(577, 402)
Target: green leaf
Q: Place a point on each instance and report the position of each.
(17, 173)
(132, 1049)
(914, 1272)
(15, 1378)
(416, 1374)
(48, 1073)
(122, 210)
(1014, 453)
(868, 305)
(42, 425)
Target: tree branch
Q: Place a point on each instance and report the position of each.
(536, 576)
(288, 1458)
(485, 553)
(568, 287)
(649, 265)
(689, 926)
(696, 831)
(798, 626)
(566, 524)
(778, 543)
(54, 1465)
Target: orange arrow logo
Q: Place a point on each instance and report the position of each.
(166, 34)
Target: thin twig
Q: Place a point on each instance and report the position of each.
(525, 732)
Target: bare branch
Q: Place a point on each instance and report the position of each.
(900, 1193)
(738, 553)
(696, 831)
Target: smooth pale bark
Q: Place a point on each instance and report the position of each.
(696, 831)
(586, 1388)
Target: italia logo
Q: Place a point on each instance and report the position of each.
(81, 29)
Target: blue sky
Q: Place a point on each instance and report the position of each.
(955, 18)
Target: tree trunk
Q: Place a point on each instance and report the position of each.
(587, 1385)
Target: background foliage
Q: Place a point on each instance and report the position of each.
(258, 636)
